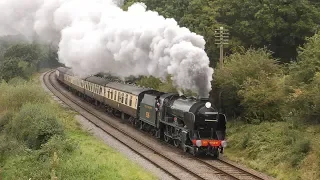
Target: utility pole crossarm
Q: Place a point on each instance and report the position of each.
(221, 38)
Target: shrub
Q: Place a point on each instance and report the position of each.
(19, 92)
(238, 68)
(8, 146)
(305, 100)
(35, 124)
(299, 151)
(58, 144)
(4, 120)
(308, 63)
(263, 98)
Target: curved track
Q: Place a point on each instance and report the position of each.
(174, 168)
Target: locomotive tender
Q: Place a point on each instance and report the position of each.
(194, 125)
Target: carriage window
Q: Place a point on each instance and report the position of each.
(126, 100)
(135, 104)
(122, 97)
(115, 95)
(119, 97)
(130, 101)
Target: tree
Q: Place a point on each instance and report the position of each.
(10, 68)
(304, 80)
(28, 52)
(308, 62)
(238, 69)
(279, 25)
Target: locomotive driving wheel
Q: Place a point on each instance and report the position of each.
(166, 135)
(166, 138)
(176, 142)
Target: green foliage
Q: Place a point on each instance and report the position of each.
(157, 84)
(308, 63)
(56, 144)
(263, 98)
(34, 124)
(304, 81)
(4, 120)
(80, 156)
(252, 65)
(150, 82)
(9, 146)
(306, 100)
(21, 60)
(285, 150)
(10, 68)
(166, 86)
(28, 52)
(279, 25)
(14, 96)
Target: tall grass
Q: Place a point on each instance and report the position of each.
(17, 92)
(41, 140)
(282, 149)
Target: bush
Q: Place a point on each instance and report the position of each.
(306, 100)
(238, 68)
(35, 124)
(8, 146)
(4, 120)
(263, 98)
(308, 63)
(19, 92)
(58, 144)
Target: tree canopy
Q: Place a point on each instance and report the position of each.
(281, 26)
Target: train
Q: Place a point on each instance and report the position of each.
(189, 123)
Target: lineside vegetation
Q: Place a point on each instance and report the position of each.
(33, 128)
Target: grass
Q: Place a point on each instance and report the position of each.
(79, 154)
(285, 150)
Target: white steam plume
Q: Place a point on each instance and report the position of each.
(97, 36)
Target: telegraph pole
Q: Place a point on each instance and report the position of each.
(222, 38)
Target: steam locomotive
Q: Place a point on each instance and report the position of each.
(188, 123)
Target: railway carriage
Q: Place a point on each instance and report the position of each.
(192, 124)
(94, 88)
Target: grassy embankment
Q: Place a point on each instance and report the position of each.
(41, 140)
(285, 150)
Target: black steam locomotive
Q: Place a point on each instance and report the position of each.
(189, 123)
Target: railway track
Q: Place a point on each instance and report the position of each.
(178, 170)
(232, 170)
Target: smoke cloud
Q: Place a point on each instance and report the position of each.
(97, 36)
